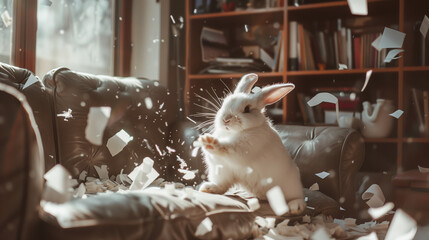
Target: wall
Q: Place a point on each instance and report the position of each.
(147, 40)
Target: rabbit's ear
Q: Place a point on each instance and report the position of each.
(271, 94)
(246, 83)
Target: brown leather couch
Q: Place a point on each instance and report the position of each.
(152, 214)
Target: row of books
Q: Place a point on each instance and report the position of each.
(348, 104)
(319, 50)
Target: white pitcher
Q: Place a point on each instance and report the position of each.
(376, 122)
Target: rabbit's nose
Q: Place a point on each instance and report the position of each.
(227, 119)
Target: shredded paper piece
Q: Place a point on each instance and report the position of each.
(423, 170)
(391, 39)
(204, 227)
(424, 27)
(376, 43)
(314, 187)
(96, 123)
(102, 172)
(188, 174)
(397, 114)
(374, 195)
(392, 55)
(253, 204)
(57, 185)
(30, 81)
(7, 20)
(342, 67)
(320, 234)
(117, 142)
(66, 115)
(322, 175)
(277, 201)
(381, 211)
(143, 175)
(402, 227)
(367, 77)
(358, 7)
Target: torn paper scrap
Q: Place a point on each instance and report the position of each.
(253, 204)
(143, 175)
(7, 20)
(358, 7)
(270, 222)
(30, 81)
(277, 201)
(204, 227)
(123, 178)
(371, 236)
(423, 170)
(322, 175)
(260, 221)
(66, 115)
(376, 43)
(96, 123)
(381, 211)
(374, 195)
(342, 66)
(80, 191)
(117, 142)
(397, 114)
(391, 39)
(57, 185)
(322, 97)
(83, 175)
(367, 77)
(424, 27)
(402, 227)
(320, 234)
(146, 167)
(392, 55)
(314, 187)
(188, 174)
(102, 172)
(306, 219)
(148, 103)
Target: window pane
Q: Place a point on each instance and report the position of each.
(6, 11)
(77, 34)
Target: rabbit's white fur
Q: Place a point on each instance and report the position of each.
(248, 149)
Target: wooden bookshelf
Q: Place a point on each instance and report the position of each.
(393, 82)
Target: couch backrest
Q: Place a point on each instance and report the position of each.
(21, 167)
(140, 107)
(38, 99)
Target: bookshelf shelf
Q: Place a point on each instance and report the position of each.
(381, 140)
(321, 6)
(341, 72)
(237, 13)
(416, 140)
(233, 75)
(416, 68)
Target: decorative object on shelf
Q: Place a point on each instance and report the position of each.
(349, 122)
(228, 5)
(376, 122)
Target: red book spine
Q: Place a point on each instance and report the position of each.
(357, 53)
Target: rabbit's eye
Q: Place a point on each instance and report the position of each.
(247, 109)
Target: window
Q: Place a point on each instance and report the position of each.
(6, 11)
(78, 34)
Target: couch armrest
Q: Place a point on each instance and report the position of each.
(338, 151)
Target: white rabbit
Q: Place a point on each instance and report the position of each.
(244, 149)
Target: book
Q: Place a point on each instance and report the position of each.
(266, 58)
(277, 51)
(421, 123)
(293, 46)
(426, 111)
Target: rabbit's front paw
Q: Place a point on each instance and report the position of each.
(210, 187)
(296, 206)
(209, 142)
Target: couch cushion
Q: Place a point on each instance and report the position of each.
(155, 213)
(21, 167)
(127, 98)
(149, 214)
(38, 99)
